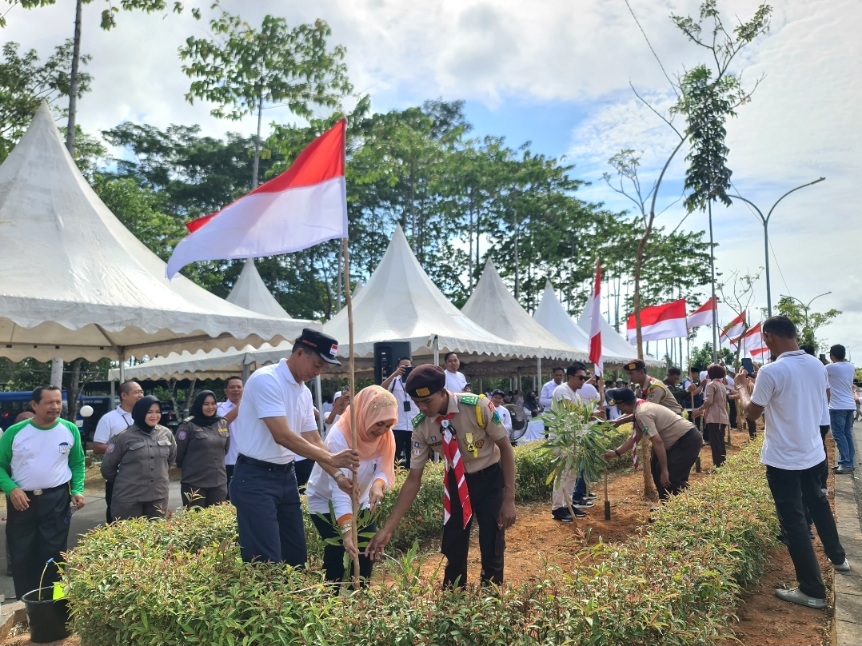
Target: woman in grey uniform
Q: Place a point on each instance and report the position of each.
(202, 443)
(137, 461)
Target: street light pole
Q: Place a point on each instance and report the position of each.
(765, 221)
(806, 307)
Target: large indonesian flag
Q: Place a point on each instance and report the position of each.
(752, 342)
(302, 207)
(659, 322)
(732, 330)
(703, 315)
(595, 309)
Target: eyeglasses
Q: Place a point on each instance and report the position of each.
(581, 377)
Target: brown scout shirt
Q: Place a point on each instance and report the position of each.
(428, 436)
(654, 419)
(657, 392)
(138, 463)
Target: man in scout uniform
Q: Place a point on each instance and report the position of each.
(479, 478)
(649, 388)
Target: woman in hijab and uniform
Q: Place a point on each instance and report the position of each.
(376, 414)
(202, 443)
(138, 460)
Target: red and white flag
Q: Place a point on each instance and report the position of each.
(703, 315)
(752, 342)
(732, 330)
(659, 322)
(302, 207)
(595, 308)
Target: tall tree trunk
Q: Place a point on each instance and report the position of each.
(73, 81)
(255, 167)
(73, 389)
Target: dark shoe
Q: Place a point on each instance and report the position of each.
(839, 470)
(591, 495)
(579, 513)
(582, 503)
(562, 514)
(795, 596)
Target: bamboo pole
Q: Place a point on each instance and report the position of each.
(351, 381)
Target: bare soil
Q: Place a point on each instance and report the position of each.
(536, 540)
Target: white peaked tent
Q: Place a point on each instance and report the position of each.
(613, 343)
(251, 293)
(493, 307)
(400, 303)
(74, 282)
(554, 318)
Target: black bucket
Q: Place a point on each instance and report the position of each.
(47, 617)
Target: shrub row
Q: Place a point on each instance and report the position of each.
(181, 581)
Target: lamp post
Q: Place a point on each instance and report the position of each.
(765, 220)
(806, 307)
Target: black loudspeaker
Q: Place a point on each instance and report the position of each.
(386, 356)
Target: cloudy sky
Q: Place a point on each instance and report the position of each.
(558, 73)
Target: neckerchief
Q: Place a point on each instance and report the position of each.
(452, 453)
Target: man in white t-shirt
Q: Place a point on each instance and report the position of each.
(546, 397)
(841, 407)
(229, 409)
(789, 392)
(455, 381)
(498, 399)
(276, 421)
(407, 410)
(112, 423)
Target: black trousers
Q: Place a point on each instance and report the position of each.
(486, 498)
(229, 469)
(680, 459)
(793, 491)
(716, 442)
(38, 533)
(109, 492)
(402, 447)
(731, 412)
(333, 555)
(199, 497)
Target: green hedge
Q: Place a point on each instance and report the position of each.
(181, 581)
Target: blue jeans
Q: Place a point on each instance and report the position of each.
(580, 489)
(268, 514)
(842, 432)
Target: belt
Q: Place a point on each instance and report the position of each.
(41, 492)
(262, 464)
(484, 471)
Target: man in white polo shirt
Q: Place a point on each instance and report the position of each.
(229, 409)
(112, 423)
(841, 407)
(789, 392)
(276, 419)
(41, 473)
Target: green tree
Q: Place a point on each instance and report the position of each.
(243, 69)
(25, 82)
(702, 99)
(702, 357)
(806, 320)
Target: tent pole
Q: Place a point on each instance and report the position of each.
(122, 365)
(436, 347)
(538, 387)
(318, 399)
(112, 405)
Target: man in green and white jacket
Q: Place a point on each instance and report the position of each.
(42, 475)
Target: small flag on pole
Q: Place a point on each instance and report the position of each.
(733, 329)
(302, 207)
(595, 306)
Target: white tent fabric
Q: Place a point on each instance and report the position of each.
(613, 343)
(493, 307)
(400, 303)
(251, 293)
(76, 283)
(554, 318)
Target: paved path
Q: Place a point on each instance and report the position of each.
(848, 587)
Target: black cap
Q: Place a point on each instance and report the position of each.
(425, 380)
(323, 344)
(634, 364)
(498, 392)
(621, 396)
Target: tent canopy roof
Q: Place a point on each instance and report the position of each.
(86, 287)
(401, 303)
(493, 307)
(251, 293)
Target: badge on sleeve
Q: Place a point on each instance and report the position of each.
(182, 435)
(110, 448)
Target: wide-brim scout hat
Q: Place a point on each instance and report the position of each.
(634, 364)
(621, 396)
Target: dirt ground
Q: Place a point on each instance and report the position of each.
(763, 619)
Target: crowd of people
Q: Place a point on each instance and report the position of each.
(261, 446)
